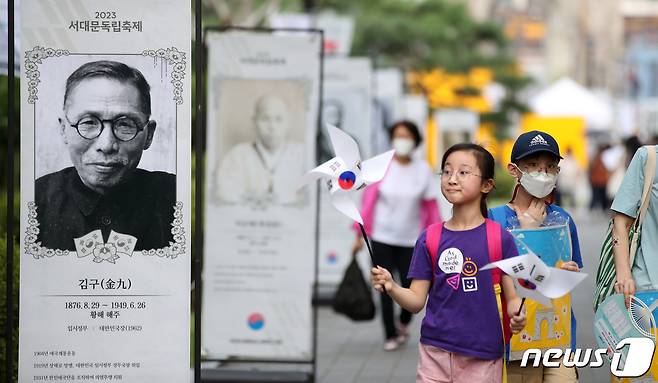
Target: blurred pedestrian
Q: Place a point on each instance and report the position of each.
(598, 179)
(462, 333)
(568, 180)
(640, 273)
(631, 144)
(394, 212)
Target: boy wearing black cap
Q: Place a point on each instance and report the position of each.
(534, 163)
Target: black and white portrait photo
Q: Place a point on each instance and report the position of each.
(92, 143)
(262, 160)
(333, 113)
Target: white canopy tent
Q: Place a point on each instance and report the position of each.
(566, 98)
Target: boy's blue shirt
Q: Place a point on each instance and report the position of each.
(501, 214)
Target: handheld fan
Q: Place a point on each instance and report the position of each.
(642, 317)
(614, 322)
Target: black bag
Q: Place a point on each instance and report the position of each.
(354, 297)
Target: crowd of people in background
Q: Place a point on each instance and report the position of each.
(595, 186)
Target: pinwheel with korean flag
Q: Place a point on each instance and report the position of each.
(346, 173)
(535, 280)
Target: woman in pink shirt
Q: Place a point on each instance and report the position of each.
(394, 212)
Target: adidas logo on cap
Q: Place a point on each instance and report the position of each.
(538, 140)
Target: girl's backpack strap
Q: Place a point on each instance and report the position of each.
(495, 246)
(432, 240)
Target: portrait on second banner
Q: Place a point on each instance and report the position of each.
(261, 155)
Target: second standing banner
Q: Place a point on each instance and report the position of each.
(347, 105)
(259, 252)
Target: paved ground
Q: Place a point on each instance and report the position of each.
(591, 230)
(352, 352)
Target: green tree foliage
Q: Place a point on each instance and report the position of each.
(4, 136)
(3, 301)
(4, 133)
(411, 35)
(426, 34)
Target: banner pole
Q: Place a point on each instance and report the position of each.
(198, 200)
(9, 333)
(317, 217)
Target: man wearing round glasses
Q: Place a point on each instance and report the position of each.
(105, 125)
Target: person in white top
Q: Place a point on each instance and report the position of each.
(394, 212)
(264, 172)
(571, 176)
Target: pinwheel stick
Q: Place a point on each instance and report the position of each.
(367, 241)
(519, 312)
(520, 307)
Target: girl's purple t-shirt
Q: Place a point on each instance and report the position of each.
(461, 314)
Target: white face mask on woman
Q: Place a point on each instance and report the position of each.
(538, 184)
(403, 146)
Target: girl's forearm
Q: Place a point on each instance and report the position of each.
(411, 299)
(620, 246)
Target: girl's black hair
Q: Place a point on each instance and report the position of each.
(485, 163)
(411, 127)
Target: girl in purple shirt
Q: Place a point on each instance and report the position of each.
(461, 335)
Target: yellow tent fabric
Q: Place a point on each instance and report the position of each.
(569, 132)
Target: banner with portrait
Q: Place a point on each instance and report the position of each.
(388, 91)
(346, 104)
(260, 224)
(105, 190)
(415, 108)
(546, 327)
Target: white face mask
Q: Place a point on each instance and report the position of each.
(403, 146)
(538, 184)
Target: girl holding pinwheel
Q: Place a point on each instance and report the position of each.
(394, 212)
(462, 334)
